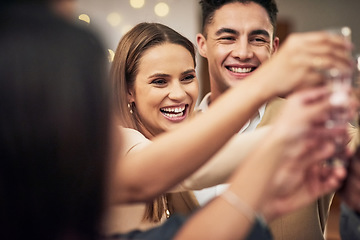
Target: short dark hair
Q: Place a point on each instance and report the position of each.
(208, 8)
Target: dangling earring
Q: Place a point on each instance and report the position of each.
(130, 108)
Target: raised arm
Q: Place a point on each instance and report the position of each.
(219, 168)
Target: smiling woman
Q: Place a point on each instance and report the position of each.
(165, 88)
(156, 89)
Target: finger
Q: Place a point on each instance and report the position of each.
(329, 179)
(319, 154)
(322, 42)
(312, 95)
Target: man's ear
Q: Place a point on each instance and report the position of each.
(275, 45)
(201, 43)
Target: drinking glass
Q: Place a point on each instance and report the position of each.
(340, 84)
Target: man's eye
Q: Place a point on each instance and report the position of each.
(228, 38)
(188, 78)
(259, 40)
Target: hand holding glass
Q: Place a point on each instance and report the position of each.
(340, 84)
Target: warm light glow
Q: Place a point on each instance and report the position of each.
(85, 18)
(346, 32)
(111, 55)
(114, 19)
(125, 29)
(137, 3)
(161, 9)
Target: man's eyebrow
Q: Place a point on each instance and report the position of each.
(232, 31)
(188, 71)
(260, 32)
(226, 30)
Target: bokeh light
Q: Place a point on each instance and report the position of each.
(111, 55)
(114, 19)
(346, 32)
(161, 9)
(137, 3)
(84, 17)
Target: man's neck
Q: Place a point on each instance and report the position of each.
(214, 95)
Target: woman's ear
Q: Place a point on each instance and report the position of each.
(130, 95)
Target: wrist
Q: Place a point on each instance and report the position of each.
(269, 213)
(241, 206)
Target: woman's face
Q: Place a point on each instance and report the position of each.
(166, 88)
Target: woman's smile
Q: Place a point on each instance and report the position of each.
(175, 113)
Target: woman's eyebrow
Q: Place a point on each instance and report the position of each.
(159, 75)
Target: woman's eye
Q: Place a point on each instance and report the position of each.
(158, 81)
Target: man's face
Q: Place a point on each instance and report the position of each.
(239, 39)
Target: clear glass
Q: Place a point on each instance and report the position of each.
(340, 84)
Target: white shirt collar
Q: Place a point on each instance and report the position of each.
(204, 104)
(249, 125)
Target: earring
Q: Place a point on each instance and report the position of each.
(130, 108)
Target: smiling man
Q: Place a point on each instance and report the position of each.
(236, 44)
(237, 37)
